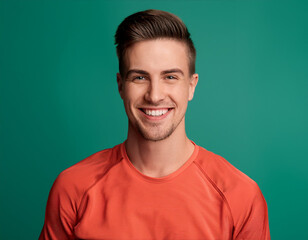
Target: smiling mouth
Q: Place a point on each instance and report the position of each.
(155, 112)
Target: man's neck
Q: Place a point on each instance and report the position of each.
(159, 158)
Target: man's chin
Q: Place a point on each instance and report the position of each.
(155, 137)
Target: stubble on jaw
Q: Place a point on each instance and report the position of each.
(158, 136)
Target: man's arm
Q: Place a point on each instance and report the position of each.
(254, 224)
(60, 214)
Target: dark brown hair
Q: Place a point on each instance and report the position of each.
(152, 24)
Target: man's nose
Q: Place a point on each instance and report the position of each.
(155, 92)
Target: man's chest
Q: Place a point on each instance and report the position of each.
(130, 209)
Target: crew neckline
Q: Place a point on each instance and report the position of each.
(166, 178)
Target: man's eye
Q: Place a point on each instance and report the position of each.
(139, 78)
(171, 77)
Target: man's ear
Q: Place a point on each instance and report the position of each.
(120, 84)
(192, 85)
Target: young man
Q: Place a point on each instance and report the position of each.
(157, 184)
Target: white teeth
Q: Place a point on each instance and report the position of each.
(156, 112)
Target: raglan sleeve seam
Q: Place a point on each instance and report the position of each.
(219, 191)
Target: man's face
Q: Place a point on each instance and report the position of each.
(156, 87)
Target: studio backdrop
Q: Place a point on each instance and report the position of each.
(59, 101)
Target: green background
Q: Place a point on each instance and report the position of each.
(59, 100)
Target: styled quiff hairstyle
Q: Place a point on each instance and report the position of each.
(148, 25)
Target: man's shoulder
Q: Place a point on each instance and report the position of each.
(96, 162)
(222, 172)
(241, 194)
(84, 174)
(233, 185)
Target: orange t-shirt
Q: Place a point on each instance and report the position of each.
(106, 197)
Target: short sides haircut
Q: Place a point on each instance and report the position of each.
(148, 25)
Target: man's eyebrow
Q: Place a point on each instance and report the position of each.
(173, 70)
(136, 71)
(139, 71)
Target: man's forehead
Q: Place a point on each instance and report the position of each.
(157, 55)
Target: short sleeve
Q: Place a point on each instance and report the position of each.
(255, 226)
(60, 216)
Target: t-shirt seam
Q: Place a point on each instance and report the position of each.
(92, 185)
(217, 189)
